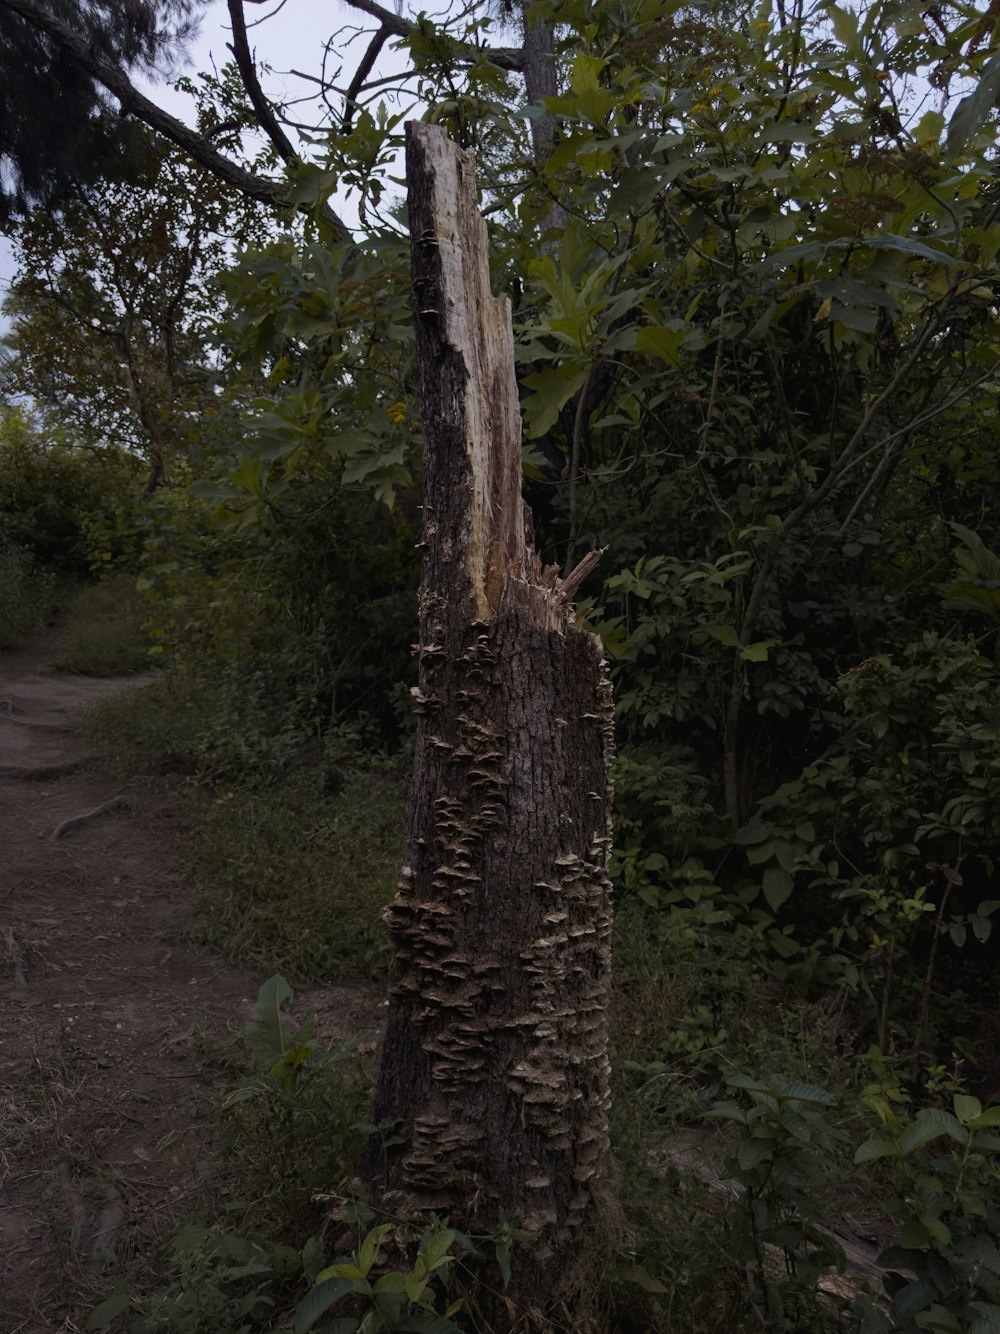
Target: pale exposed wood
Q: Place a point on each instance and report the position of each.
(477, 326)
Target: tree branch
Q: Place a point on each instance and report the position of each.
(266, 118)
(260, 188)
(360, 74)
(503, 57)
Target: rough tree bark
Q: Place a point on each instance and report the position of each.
(495, 1057)
(539, 68)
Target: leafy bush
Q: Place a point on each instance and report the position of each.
(26, 594)
(289, 1132)
(943, 1274)
(295, 627)
(691, 1009)
(52, 495)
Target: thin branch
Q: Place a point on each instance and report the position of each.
(264, 17)
(394, 24)
(360, 75)
(248, 73)
(904, 431)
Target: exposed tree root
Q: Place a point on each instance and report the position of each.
(75, 822)
(42, 773)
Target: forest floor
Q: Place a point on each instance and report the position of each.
(110, 1029)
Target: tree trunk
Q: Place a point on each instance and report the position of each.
(539, 69)
(495, 1063)
(538, 65)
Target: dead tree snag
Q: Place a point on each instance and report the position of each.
(495, 1058)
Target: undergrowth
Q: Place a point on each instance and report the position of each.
(744, 1121)
(152, 728)
(289, 1135)
(692, 1012)
(26, 594)
(103, 632)
(297, 878)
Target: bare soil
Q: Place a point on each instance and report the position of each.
(110, 1030)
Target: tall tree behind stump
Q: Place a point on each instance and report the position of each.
(495, 1057)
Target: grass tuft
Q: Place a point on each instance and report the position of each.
(298, 879)
(152, 728)
(103, 634)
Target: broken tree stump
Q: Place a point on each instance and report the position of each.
(494, 1064)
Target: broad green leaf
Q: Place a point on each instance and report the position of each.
(659, 341)
(588, 97)
(269, 1037)
(757, 652)
(313, 1258)
(909, 245)
(809, 1093)
(762, 852)
(874, 1148)
(345, 1269)
(725, 634)
(939, 1320)
(415, 1285)
(778, 885)
(935, 1228)
(967, 1108)
(752, 1152)
(977, 558)
(437, 1246)
(845, 27)
(368, 1253)
(972, 112)
(930, 1124)
(392, 1282)
(112, 1307)
(916, 1296)
(552, 390)
(319, 1300)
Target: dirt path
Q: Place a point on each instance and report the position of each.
(107, 1028)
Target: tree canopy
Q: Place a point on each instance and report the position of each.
(57, 124)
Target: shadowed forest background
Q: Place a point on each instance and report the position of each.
(752, 254)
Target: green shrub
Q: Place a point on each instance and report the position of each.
(691, 1009)
(290, 1136)
(26, 594)
(52, 495)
